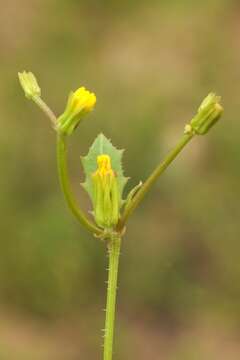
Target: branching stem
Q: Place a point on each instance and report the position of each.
(207, 115)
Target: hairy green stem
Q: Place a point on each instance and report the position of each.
(64, 181)
(153, 178)
(114, 252)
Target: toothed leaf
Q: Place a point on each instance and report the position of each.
(102, 145)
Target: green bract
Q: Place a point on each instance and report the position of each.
(106, 201)
(29, 84)
(208, 114)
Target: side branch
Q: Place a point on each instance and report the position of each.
(153, 178)
(65, 185)
(46, 109)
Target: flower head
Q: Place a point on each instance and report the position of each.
(82, 99)
(105, 193)
(80, 102)
(208, 114)
(29, 84)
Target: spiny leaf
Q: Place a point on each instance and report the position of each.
(102, 145)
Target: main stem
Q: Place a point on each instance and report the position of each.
(114, 252)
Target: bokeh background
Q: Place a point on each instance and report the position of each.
(150, 64)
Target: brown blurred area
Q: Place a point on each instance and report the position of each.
(150, 64)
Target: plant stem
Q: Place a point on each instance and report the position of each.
(153, 177)
(63, 171)
(114, 252)
(46, 109)
(64, 181)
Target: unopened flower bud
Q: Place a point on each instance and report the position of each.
(29, 84)
(105, 193)
(79, 104)
(208, 114)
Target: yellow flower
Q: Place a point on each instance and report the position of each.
(80, 102)
(81, 99)
(105, 193)
(104, 165)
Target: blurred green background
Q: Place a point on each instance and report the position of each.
(150, 64)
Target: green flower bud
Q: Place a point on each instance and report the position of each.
(79, 104)
(208, 114)
(29, 84)
(105, 193)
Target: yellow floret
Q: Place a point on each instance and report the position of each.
(104, 164)
(83, 99)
